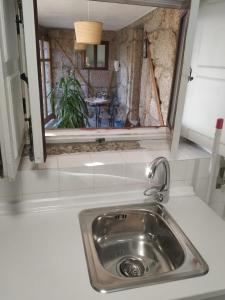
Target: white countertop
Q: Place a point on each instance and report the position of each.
(42, 256)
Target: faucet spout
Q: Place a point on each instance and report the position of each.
(161, 191)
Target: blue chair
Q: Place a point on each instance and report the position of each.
(108, 113)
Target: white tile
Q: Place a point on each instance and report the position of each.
(190, 169)
(154, 145)
(200, 188)
(182, 170)
(219, 208)
(112, 189)
(9, 188)
(51, 163)
(39, 181)
(107, 158)
(178, 169)
(75, 178)
(182, 154)
(179, 183)
(135, 173)
(75, 193)
(39, 196)
(218, 202)
(136, 156)
(73, 160)
(155, 154)
(189, 182)
(203, 170)
(135, 185)
(10, 199)
(218, 195)
(193, 151)
(108, 175)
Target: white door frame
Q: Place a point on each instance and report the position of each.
(4, 126)
(32, 72)
(194, 10)
(200, 128)
(11, 149)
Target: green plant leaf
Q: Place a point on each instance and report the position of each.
(68, 104)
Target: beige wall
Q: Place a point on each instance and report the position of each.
(162, 27)
(129, 51)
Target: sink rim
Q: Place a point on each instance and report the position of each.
(103, 281)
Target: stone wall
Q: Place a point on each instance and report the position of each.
(129, 51)
(61, 65)
(133, 82)
(161, 27)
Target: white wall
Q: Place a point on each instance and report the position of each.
(90, 173)
(205, 100)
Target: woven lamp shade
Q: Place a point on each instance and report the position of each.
(79, 46)
(88, 32)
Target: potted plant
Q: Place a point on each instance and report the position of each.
(68, 104)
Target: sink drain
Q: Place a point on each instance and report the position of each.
(132, 267)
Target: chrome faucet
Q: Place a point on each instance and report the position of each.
(161, 191)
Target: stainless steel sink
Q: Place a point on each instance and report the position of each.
(135, 245)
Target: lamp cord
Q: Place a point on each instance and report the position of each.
(88, 10)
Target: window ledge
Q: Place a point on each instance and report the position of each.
(90, 135)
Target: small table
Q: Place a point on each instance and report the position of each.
(97, 103)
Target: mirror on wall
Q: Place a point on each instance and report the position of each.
(97, 56)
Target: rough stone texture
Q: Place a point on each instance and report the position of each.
(128, 79)
(147, 108)
(61, 65)
(58, 149)
(161, 27)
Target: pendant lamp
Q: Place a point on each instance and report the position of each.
(79, 46)
(88, 32)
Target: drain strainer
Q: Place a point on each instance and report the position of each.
(132, 267)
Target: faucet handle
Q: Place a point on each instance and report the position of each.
(161, 191)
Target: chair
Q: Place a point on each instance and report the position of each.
(108, 113)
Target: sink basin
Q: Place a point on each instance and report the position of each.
(135, 245)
